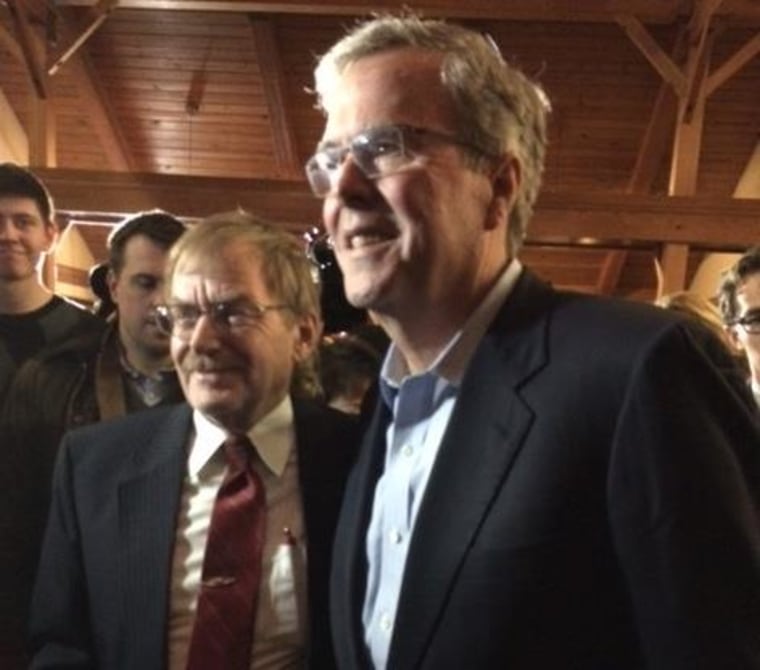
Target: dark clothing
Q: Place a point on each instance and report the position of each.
(24, 335)
(56, 324)
(102, 592)
(593, 504)
(78, 382)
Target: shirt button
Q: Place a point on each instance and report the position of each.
(395, 536)
(385, 622)
(407, 450)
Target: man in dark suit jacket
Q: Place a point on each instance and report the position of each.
(548, 480)
(120, 573)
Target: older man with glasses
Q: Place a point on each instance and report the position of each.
(199, 536)
(549, 480)
(739, 301)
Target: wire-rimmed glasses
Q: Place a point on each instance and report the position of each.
(750, 322)
(377, 152)
(181, 319)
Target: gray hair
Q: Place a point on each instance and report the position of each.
(498, 108)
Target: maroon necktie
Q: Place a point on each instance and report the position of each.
(224, 619)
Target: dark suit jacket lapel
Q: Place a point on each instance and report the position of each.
(349, 568)
(148, 500)
(485, 433)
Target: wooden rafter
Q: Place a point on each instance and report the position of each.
(735, 63)
(660, 61)
(561, 216)
(652, 151)
(649, 11)
(687, 144)
(697, 66)
(9, 43)
(748, 185)
(29, 48)
(102, 10)
(273, 79)
(101, 116)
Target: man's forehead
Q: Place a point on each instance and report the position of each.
(748, 292)
(19, 204)
(385, 88)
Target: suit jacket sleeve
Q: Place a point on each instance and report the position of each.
(59, 628)
(683, 493)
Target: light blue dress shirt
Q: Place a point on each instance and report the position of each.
(421, 407)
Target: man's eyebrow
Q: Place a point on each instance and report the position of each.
(328, 144)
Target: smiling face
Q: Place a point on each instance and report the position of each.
(431, 234)
(235, 377)
(24, 237)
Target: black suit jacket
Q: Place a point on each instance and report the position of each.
(593, 504)
(102, 590)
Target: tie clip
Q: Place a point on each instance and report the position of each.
(217, 582)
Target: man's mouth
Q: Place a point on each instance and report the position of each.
(363, 240)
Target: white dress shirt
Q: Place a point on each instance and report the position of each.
(280, 632)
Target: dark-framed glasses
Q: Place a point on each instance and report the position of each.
(749, 322)
(377, 152)
(181, 319)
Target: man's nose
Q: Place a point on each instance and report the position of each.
(205, 335)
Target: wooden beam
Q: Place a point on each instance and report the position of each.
(661, 11)
(9, 43)
(700, 47)
(748, 185)
(273, 80)
(652, 151)
(29, 47)
(652, 51)
(102, 10)
(687, 145)
(96, 103)
(735, 63)
(100, 113)
(656, 141)
(712, 223)
(561, 217)
(612, 268)
(14, 143)
(41, 132)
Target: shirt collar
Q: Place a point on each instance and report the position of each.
(273, 437)
(452, 362)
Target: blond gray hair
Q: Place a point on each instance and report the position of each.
(498, 108)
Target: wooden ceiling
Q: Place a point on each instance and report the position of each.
(202, 105)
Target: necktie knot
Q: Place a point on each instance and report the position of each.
(237, 452)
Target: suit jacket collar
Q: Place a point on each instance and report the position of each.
(491, 417)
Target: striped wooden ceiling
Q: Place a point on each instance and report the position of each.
(199, 105)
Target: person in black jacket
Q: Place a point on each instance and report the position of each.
(120, 366)
(549, 480)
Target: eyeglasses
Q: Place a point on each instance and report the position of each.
(377, 152)
(750, 322)
(181, 319)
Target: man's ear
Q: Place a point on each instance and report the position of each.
(308, 331)
(51, 236)
(733, 337)
(111, 282)
(506, 177)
